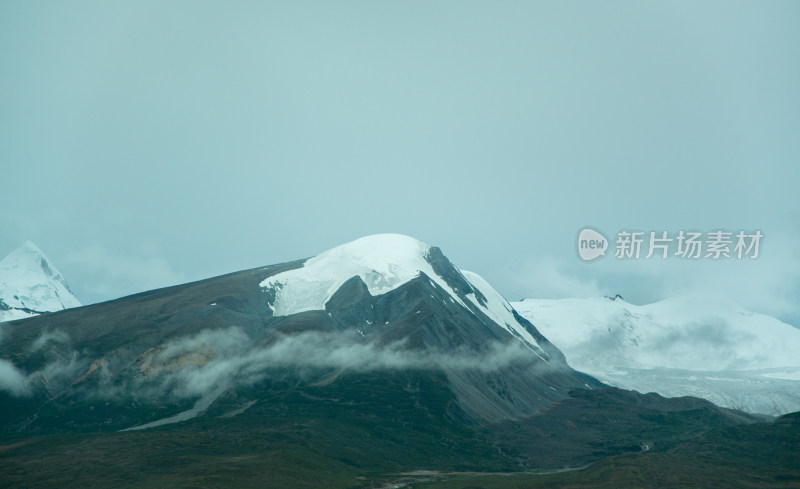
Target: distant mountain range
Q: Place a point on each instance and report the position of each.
(31, 285)
(703, 346)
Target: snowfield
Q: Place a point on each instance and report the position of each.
(703, 346)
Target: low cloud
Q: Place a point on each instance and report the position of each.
(47, 337)
(212, 361)
(547, 277)
(769, 284)
(215, 359)
(12, 379)
(62, 368)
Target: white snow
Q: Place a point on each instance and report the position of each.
(498, 309)
(701, 345)
(28, 280)
(14, 314)
(383, 261)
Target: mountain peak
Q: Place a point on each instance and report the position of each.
(383, 261)
(377, 249)
(30, 245)
(30, 284)
(27, 259)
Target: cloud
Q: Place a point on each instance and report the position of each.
(213, 359)
(12, 379)
(548, 277)
(63, 367)
(49, 336)
(769, 284)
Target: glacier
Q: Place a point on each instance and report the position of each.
(695, 345)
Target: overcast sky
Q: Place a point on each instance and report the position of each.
(145, 144)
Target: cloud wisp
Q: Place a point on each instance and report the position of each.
(13, 380)
(193, 366)
(59, 372)
(216, 360)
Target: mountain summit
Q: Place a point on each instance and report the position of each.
(384, 262)
(30, 285)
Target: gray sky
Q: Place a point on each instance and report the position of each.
(144, 144)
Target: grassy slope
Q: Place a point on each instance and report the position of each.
(293, 437)
(752, 456)
(293, 441)
(279, 452)
(313, 453)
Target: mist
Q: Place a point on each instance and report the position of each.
(227, 357)
(219, 359)
(12, 379)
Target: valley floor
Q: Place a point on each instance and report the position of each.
(300, 453)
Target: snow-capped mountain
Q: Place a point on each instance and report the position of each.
(704, 346)
(384, 262)
(30, 285)
(385, 314)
